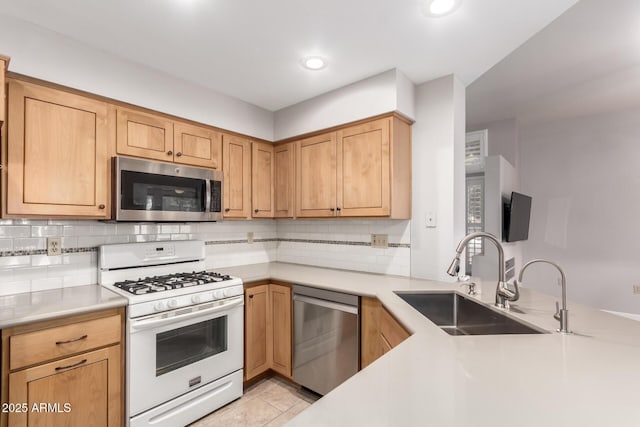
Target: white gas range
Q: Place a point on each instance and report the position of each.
(184, 330)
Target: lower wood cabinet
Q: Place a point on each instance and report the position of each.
(77, 382)
(379, 331)
(256, 314)
(267, 330)
(280, 300)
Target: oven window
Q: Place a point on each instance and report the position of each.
(154, 192)
(183, 346)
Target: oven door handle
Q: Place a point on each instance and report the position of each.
(155, 322)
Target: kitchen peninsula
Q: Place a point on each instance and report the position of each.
(587, 378)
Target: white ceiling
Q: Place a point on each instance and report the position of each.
(251, 49)
(586, 62)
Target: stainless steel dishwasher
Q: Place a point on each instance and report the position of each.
(325, 338)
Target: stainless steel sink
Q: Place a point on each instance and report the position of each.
(459, 315)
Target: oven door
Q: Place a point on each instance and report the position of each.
(156, 191)
(175, 352)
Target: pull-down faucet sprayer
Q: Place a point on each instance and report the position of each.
(503, 293)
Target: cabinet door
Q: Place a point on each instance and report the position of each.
(4, 61)
(392, 331)
(144, 135)
(257, 343)
(370, 345)
(236, 164)
(316, 176)
(363, 170)
(280, 300)
(89, 383)
(262, 176)
(57, 153)
(284, 180)
(197, 146)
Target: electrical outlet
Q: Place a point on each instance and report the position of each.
(636, 289)
(54, 246)
(250, 237)
(380, 241)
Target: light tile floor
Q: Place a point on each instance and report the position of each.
(270, 403)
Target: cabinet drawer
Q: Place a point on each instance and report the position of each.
(37, 347)
(391, 330)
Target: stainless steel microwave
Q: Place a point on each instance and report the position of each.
(145, 190)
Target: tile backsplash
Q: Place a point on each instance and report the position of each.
(346, 243)
(24, 265)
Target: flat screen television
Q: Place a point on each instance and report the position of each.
(515, 221)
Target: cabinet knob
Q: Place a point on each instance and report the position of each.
(101, 206)
(179, 154)
(227, 209)
(169, 153)
(251, 296)
(257, 210)
(331, 209)
(338, 209)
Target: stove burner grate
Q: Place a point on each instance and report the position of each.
(170, 281)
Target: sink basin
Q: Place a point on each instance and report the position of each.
(459, 315)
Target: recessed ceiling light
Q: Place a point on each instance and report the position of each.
(314, 62)
(438, 8)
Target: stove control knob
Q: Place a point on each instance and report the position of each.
(160, 306)
(226, 292)
(172, 303)
(217, 294)
(196, 299)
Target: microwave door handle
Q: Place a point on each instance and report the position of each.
(207, 197)
(155, 322)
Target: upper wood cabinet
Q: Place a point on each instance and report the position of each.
(262, 180)
(57, 153)
(144, 135)
(236, 164)
(361, 171)
(284, 180)
(197, 146)
(4, 63)
(155, 137)
(316, 176)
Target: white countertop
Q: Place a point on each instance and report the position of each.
(31, 307)
(589, 378)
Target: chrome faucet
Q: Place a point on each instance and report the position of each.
(561, 315)
(503, 293)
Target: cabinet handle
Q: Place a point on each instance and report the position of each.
(101, 206)
(227, 209)
(169, 153)
(331, 209)
(179, 154)
(257, 210)
(251, 296)
(60, 368)
(338, 209)
(84, 337)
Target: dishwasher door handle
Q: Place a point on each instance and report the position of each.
(327, 304)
